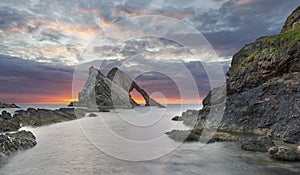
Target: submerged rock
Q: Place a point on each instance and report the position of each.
(260, 144)
(92, 115)
(103, 110)
(195, 135)
(183, 136)
(13, 142)
(285, 153)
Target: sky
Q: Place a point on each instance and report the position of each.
(45, 41)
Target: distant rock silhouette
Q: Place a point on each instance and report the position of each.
(4, 105)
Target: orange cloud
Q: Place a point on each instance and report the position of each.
(84, 31)
(105, 23)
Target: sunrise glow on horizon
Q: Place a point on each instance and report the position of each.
(67, 100)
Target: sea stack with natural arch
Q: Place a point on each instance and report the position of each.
(111, 91)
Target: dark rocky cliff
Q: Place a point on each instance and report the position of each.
(263, 88)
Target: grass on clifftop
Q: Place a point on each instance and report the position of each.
(292, 36)
(276, 44)
(288, 38)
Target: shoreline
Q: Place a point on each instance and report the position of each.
(59, 116)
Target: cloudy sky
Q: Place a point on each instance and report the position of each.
(43, 41)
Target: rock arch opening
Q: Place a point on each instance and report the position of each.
(137, 97)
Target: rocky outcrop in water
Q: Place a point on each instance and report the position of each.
(13, 142)
(4, 105)
(177, 118)
(112, 91)
(39, 117)
(195, 135)
(285, 153)
(73, 103)
(260, 144)
(8, 123)
(262, 93)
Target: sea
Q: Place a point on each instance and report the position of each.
(132, 142)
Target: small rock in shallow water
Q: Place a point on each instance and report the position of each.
(273, 150)
(285, 153)
(195, 135)
(223, 137)
(5, 115)
(177, 118)
(92, 115)
(183, 136)
(103, 110)
(260, 144)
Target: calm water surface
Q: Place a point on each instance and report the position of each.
(86, 147)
